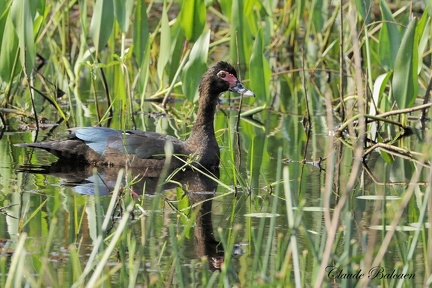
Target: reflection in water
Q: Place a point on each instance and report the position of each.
(200, 189)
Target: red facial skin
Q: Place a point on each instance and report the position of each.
(230, 78)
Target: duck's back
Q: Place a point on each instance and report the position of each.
(99, 145)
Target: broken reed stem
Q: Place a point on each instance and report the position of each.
(381, 117)
(399, 152)
(404, 111)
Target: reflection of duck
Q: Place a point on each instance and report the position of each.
(101, 146)
(205, 242)
(200, 190)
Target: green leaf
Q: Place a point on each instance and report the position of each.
(196, 66)
(8, 52)
(241, 35)
(389, 37)
(253, 111)
(3, 18)
(255, 159)
(144, 72)
(102, 23)
(405, 79)
(177, 50)
(318, 15)
(122, 12)
(226, 7)
(22, 20)
(422, 37)
(140, 32)
(183, 201)
(364, 7)
(193, 18)
(378, 89)
(260, 72)
(165, 44)
(377, 97)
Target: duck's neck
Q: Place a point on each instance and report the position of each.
(204, 123)
(202, 140)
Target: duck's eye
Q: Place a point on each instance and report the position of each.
(222, 74)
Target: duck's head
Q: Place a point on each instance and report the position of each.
(220, 78)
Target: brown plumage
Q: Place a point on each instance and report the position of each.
(106, 146)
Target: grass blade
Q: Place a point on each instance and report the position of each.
(123, 11)
(165, 41)
(102, 23)
(23, 21)
(405, 84)
(8, 52)
(389, 37)
(196, 65)
(140, 32)
(193, 18)
(259, 69)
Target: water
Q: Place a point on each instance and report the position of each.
(59, 206)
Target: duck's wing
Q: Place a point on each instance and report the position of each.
(95, 137)
(144, 145)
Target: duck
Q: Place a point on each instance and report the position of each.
(102, 146)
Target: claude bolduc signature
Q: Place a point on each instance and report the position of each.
(377, 272)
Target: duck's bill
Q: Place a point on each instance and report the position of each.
(239, 88)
